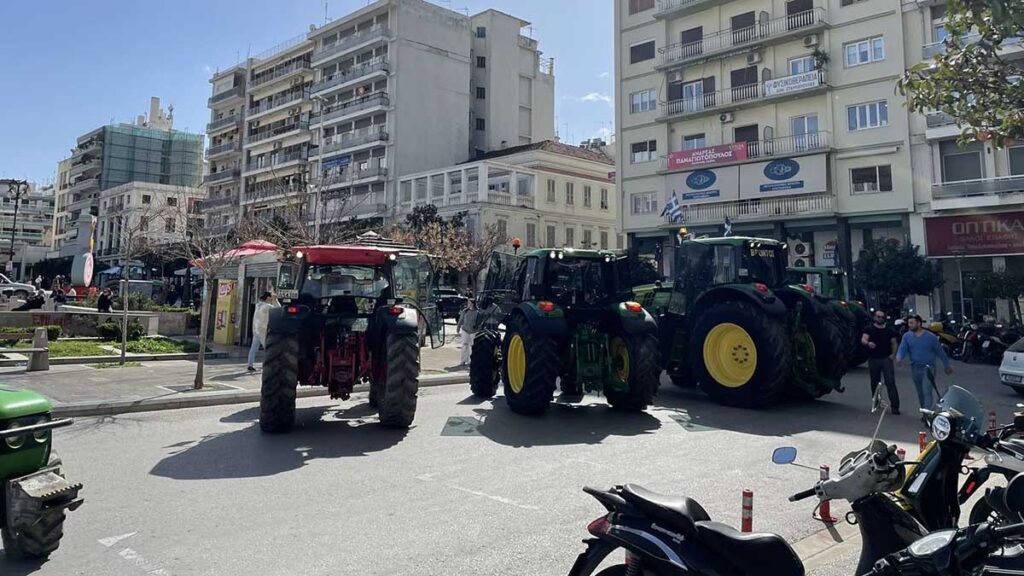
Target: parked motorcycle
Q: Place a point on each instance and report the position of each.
(1004, 457)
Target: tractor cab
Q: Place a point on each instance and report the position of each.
(831, 283)
(569, 277)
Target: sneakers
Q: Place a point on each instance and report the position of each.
(250, 369)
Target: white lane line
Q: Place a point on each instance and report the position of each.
(500, 499)
(108, 542)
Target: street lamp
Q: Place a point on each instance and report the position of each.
(16, 188)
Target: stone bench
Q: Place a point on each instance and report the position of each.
(38, 354)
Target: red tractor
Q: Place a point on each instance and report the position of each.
(349, 315)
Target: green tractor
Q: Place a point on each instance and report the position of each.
(832, 285)
(729, 323)
(35, 493)
(569, 320)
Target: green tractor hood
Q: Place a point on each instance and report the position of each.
(16, 403)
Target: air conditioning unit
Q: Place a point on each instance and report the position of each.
(753, 58)
(799, 262)
(675, 76)
(725, 117)
(800, 253)
(811, 41)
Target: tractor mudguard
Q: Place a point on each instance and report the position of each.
(790, 295)
(636, 322)
(405, 323)
(546, 323)
(291, 319)
(768, 301)
(842, 311)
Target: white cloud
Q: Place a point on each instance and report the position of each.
(605, 75)
(597, 97)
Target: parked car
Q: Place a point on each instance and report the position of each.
(18, 290)
(449, 302)
(1011, 371)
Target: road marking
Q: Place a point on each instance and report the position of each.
(500, 499)
(461, 426)
(136, 559)
(108, 542)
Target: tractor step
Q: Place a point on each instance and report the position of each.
(570, 398)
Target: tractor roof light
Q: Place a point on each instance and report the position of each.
(546, 306)
(634, 307)
(396, 310)
(762, 288)
(392, 257)
(298, 255)
(561, 255)
(552, 255)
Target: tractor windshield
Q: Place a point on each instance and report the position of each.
(324, 281)
(764, 263)
(587, 281)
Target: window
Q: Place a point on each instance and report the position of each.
(172, 201)
(570, 193)
(570, 236)
(588, 238)
(146, 198)
(871, 179)
(481, 124)
(551, 190)
(961, 163)
(481, 92)
(1016, 155)
(636, 6)
(587, 197)
(531, 234)
(694, 141)
(604, 195)
(481, 62)
(604, 240)
(620, 241)
(502, 226)
(551, 237)
(644, 203)
(864, 51)
(805, 131)
(481, 32)
(849, 2)
(644, 151)
(801, 65)
(144, 224)
(169, 225)
(641, 52)
(642, 101)
(864, 116)
(744, 83)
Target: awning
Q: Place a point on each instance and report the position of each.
(250, 248)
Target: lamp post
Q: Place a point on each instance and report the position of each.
(16, 188)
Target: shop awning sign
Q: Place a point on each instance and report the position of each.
(994, 233)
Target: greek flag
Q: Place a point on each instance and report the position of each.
(673, 209)
(728, 227)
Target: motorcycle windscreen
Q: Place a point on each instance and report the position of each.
(968, 410)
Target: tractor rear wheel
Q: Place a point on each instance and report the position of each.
(484, 364)
(635, 364)
(35, 539)
(529, 368)
(740, 355)
(280, 379)
(397, 402)
(831, 344)
(860, 352)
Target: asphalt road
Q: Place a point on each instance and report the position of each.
(470, 489)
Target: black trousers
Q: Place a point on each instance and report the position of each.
(882, 368)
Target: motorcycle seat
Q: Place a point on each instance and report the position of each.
(750, 553)
(674, 512)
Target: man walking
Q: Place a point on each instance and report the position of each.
(260, 322)
(466, 326)
(880, 341)
(922, 347)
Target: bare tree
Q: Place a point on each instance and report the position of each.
(453, 247)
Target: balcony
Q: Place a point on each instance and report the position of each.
(83, 184)
(272, 190)
(351, 174)
(728, 41)
(349, 42)
(93, 144)
(213, 203)
(755, 150)
(264, 79)
(929, 51)
(276, 162)
(676, 8)
(352, 107)
(83, 204)
(222, 149)
(745, 96)
(758, 209)
(222, 176)
(378, 64)
(229, 121)
(277, 102)
(231, 94)
(220, 230)
(86, 165)
(359, 137)
(281, 131)
(980, 187)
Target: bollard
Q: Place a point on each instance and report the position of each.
(901, 454)
(922, 441)
(825, 508)
(747, 523)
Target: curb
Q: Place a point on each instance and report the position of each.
(180, 400)
(130, 357)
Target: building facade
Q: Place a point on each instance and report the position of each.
(338, 114)
(136, 210)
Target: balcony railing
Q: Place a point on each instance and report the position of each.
(272, 189)
(221, 176)
(353, 106)
(929, 51)
(980, 187)
(85, 184)
(211, 203)
(668, 8)
(274, 161)
(354, 138)
(508, 199)
(351, 174)
(279, 131)
(939, 119)
(759, 209)
(754, 150)
(353, 73)
(232, 93)
(278, 73)
(90, 145)
(224, 122)
(729, 40)
(278, 101)
(222, 149)
(348, 42)
(751, 93)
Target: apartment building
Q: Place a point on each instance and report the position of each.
(136, 210)
(226, 132)
(393, 88)
(778, 115)
(34, 218)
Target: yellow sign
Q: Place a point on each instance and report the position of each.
(224, 316)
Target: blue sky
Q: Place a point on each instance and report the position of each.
(69, 66)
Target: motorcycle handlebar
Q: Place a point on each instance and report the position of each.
(802, 495)
(1010, 531)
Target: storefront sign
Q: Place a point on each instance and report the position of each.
(708, 155)
(705, 185)
(825, 248)
(783, 176)
(999, 233)
(794, 83)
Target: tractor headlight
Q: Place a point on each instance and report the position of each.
(42, 436)
(941, 427)
(15, 442)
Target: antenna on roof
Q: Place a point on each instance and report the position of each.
(326, 19)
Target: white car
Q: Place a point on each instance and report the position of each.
(18, 290)
(1011, 371)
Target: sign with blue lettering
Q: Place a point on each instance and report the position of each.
(705, 185)
(701, 179)
(338, 162)
(783, 176)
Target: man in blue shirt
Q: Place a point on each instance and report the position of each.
(922, 347)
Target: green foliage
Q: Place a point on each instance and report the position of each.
(970, 80)
(53, 332)
(160, 346)
(1004, 285)
(423, 216)
(117, 365)
(69, 348)
(895, 270)
(111, 330)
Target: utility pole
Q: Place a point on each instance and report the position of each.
(17, 189)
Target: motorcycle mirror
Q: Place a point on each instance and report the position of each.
(784, 455)
(1014, 495)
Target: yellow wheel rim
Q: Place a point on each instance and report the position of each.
(620, 359)
(516, 363)
(730, 355)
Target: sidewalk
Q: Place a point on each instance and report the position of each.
(78, 389)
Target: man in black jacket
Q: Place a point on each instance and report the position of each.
(880, 341)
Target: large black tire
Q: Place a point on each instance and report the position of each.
(397, 404)
(643, 373)
(540, 369)
(831, 344)
(37, 539)
(769, 375)
(860, 352)
(280, 379)
(485, 364)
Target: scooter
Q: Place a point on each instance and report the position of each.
(1004, 456)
